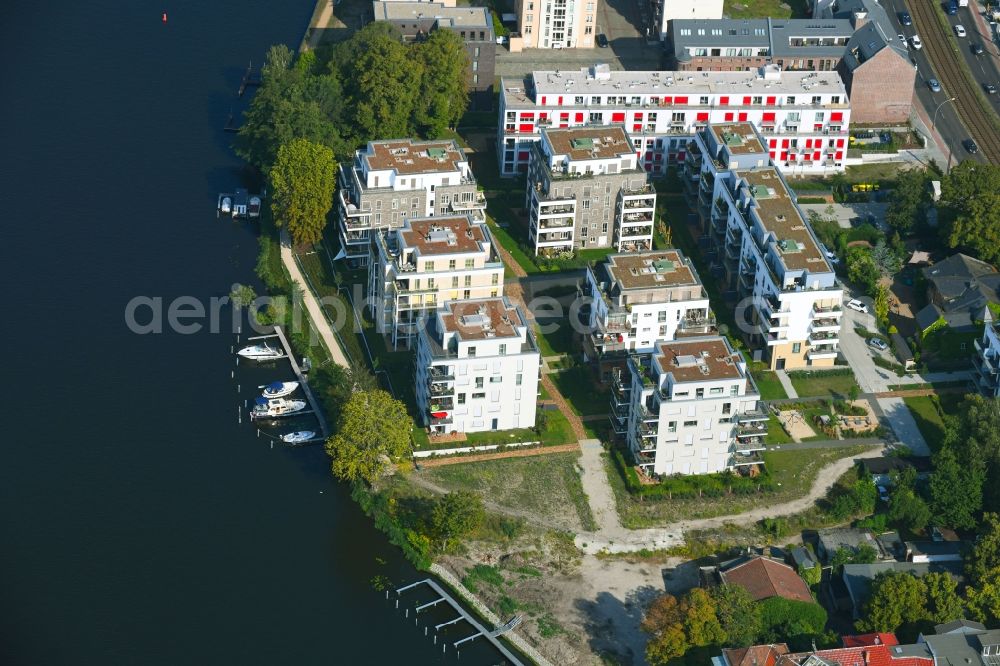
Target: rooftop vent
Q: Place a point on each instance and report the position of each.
(685, 360)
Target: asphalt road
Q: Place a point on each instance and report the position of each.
(947, 122)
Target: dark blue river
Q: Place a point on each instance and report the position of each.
(141, 523)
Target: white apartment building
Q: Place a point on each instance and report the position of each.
(666, 11)
(765, 254)
(390, 181)
(692, 408)
(557, 24)
(803, 115)
(586, 189)
(640, 299)
(426, 262)
(987, 357)
(477, 368)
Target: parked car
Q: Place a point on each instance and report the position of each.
(934, 85)
(857, 305)
(902, 40)
(602, 40)
(916, 43)
(977, 49)
(960, 30)
(951, 8)
(990, 88)
(878, 343)
(970, 146)
(883, 493)
(905, 18)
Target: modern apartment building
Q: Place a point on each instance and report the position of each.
(640, 299)
(662, 111)
(741, 44)
(416, 20)
(669, 12)
(422, 264)
(586, 189)
(692, 408)
(986, 359)
(764, 252)
(390, 181)
(477, 368)
(557, 24)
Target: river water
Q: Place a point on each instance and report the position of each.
(141, 523)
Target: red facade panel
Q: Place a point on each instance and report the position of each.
(579, 117)
(730, 116)
(724, 100)
(617, 117)
(526, 128)
(771, 101)
(703, 117)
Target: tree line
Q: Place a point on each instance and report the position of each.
(314, 110)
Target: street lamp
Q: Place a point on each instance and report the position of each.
(934, 120)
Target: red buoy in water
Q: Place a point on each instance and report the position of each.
(164, 17)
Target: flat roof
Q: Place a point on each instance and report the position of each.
(589, 143)
(646, 270)
(409, 157)
(477, 17)
(779, 215)
(738, 138)
(698, 360)
(443, 235)
(620, 82)
(488, 318)
(777, 34)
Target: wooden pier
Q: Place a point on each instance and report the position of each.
(304, 383)
(250, 78)
(463, 616)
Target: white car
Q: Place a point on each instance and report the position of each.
(857, 305)
(878, 343)
(960, 31)
(916, 43)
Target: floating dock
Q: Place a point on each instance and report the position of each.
(304, 383)
(463, 616)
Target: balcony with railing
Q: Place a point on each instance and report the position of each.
(758, 413)
(605, 343)
(697, 322)
(442, 403)
(823, 337)
(645, 456)
(478, 201)
(826, 311)
(441, 421)
(824, 351)
(439, 389)
(635, 233)
(644, 203)
(648, 428)
(747, 459)
(635, 245)
(440, 373)
(560, 209)
(824, 324)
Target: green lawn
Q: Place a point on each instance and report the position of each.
(796, 470)
(822, 383)
(557, 341)
(769, 385)
(505, 239)
(584, 395)
(928, 414)
(739, 9)
(775, 433)
(547, 486)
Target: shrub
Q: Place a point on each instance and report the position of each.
(794, 622)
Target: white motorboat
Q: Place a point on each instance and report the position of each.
(262, 352)
(298, 437)
(279, 389)
(276, 408)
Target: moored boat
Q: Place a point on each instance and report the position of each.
(276, 408)
(279, 389)
(262, 352)
(298, 437)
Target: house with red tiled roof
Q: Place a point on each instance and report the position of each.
(755, 655)
(764, 578)
(862, 640)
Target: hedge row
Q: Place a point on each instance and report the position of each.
(696, 485)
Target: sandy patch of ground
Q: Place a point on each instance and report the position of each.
(795, 425)
(859, 423)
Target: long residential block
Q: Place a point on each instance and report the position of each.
(390, 181)
(986, 359)
(430, 260)
(692, 408)
(477, 368)
(764, 252)
(586, 190)
(662, 111)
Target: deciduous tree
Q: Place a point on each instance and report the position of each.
(738, 613)
(896, 598)
(983, 600)
(303, 179)
(384, 87)
(908, 509)
(374, 430)
(861, 269)
(700, 621)
(943, 602)
(985, 555)
(956, 490)
(456, 515)
(971, 212)
(910, 198)
(443, 95)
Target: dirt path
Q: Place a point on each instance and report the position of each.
(623, 540)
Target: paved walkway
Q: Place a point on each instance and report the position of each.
(620, 540)
(786, 383)
(312, 305)
(902, 423)
(315, 31)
